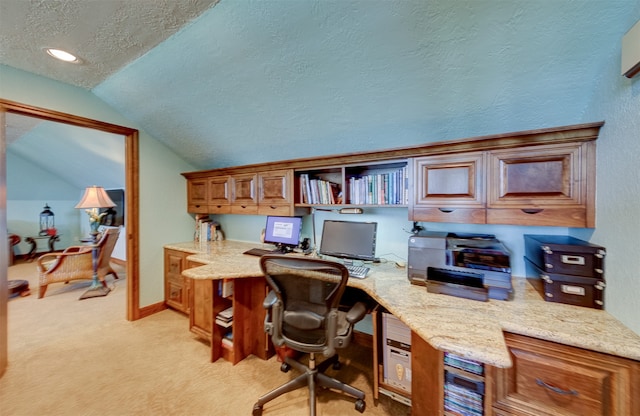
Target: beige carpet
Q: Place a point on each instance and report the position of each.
(72, 357)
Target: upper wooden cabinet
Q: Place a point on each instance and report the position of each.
(209, 195)
(219, 195)
(543, 185)
(449, 188)
(244, 196)
(542, 177)
(197, 196)
(275, 192)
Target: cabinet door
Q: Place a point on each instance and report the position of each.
(202, 315)
(543, 185)
(219, 195)
(275, 190)
(244, 194)
(553, 379)
(175, 292)
(197, 195)
(449, 188)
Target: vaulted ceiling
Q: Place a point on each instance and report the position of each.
(241, 81)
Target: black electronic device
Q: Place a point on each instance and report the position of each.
(349, 239)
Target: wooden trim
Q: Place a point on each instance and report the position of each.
(151, 309)
(573, 133)
(131, 188)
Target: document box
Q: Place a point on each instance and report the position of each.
(572, 290)
(560, 254)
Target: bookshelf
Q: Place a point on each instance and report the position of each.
(382, 184)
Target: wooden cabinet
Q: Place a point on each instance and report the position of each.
(176, 286)
(275, 192)
(546, 185)
(209, 195)
(197, 196)
(449, 188)
(553, 379)
(543, 177)
(551, 185)
(245, 335)
(219, 200)
(244, 193)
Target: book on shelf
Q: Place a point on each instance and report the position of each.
(224, 323)
(389, 188)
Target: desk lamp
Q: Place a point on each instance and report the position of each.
(95, 197)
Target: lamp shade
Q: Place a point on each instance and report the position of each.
(95, 197)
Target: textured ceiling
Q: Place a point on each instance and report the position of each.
(252, 81)
(105, 34)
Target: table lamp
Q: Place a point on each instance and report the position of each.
(95, 197)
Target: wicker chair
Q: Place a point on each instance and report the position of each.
(75, 262)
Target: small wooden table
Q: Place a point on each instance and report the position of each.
(33, 240)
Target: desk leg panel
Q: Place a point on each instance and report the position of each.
(427, 379)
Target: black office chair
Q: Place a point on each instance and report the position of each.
(304, 315)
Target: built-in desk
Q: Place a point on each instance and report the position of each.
(440, 323)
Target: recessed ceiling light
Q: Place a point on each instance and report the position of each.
(62, 55)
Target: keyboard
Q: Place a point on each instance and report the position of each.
(260, 252)
(359, 272)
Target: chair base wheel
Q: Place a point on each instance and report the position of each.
(284, 367)
(257, 410)
(360, 405)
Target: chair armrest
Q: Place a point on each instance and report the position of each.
(270, 300)
(356, 313)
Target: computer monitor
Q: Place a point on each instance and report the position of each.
(349, 239)
(284, 232)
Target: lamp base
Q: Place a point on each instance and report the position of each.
(95, 292)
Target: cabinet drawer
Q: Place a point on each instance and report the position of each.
(282, 210)
(219, 209)
(554, 379)
(244, 209)
(563, 217)
(456, 215)
(198, 208)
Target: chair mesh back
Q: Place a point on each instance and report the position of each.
(308, 289)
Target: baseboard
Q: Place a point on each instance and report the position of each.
(151, 309)
(119, 262)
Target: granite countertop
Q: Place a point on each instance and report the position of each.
(469, 328)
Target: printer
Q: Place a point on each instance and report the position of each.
(463, 260)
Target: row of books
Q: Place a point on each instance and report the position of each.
(380, 189)
(319, 192)
(205, 228)
(391, 188)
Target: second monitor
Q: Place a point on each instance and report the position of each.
(349, 240)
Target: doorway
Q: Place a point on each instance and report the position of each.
(131, 191)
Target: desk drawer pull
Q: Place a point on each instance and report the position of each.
(555, 389)
(531, 210)
(446, 210)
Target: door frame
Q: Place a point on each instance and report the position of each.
(132, 167)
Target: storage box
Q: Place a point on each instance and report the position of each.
(572, 290)
(397, 352)
(559, 254)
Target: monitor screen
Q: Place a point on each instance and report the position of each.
(349, 239)
(283, 230)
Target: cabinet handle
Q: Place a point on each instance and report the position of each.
(446, 210)
(555, 389)
(531, 210)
